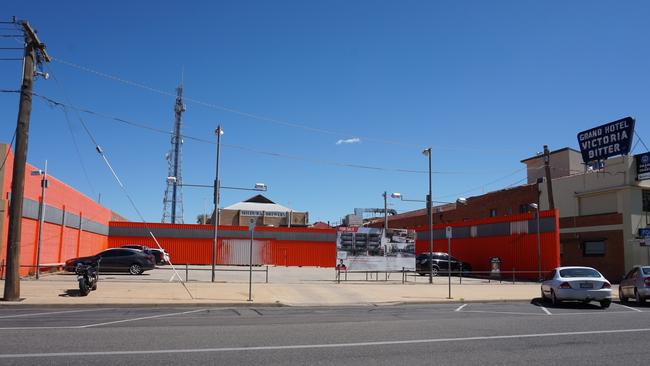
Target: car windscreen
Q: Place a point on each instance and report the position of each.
(579, 272)
(646, 270)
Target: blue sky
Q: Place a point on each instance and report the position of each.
(484, 83)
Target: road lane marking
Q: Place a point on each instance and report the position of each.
(631, 308)
(500, 312)
(50, 313)
(141, 318)
(460, 307)
(546, 310)
(320, 346)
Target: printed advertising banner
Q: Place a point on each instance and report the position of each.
(370, 249)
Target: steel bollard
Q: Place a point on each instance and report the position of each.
(187, 272)
(513, 276)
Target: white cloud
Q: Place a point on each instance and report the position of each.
(354, 140)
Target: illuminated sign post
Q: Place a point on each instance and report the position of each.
(610, 139)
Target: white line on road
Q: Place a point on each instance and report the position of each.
(317, 346)
(546, 310)
(50, 313)
(629, 307)
(460, 307)
(501, 312)
(141, 318)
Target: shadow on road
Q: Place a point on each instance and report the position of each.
(577, 305)
(71, 293)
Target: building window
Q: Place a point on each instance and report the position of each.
(646, 200)
(593, 248)
(523, 208)
(493, 212)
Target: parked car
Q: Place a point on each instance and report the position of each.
(160, 255)
(635, 284)
(116, 260)
(576, 284)
(440, 264)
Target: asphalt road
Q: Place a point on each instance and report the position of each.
(454, 334)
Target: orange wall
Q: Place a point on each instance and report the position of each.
(57, 243)
(199, 251)
(518, 252)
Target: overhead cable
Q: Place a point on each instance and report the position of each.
(244, 148)
(252, 115)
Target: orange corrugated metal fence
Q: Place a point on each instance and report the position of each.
(58, 242)
(230, 250)
(517, 251)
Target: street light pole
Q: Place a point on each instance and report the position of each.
(385, 213)
(41, 217)
(427, 152)
(539, 243)
(218, 132)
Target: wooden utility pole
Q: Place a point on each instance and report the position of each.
(549, 182)
(34, 53)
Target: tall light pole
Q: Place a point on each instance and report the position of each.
(385, 195)
(427, 152)
(539, 243)
(41, 216)
(218, 132)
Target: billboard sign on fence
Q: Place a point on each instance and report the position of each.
(372, 249)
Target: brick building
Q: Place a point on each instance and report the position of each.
(600, 210)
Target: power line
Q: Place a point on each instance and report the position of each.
(243, 148)
(252, 115)
(642, 142)
(7, 155)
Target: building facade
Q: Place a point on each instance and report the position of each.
(264, 212)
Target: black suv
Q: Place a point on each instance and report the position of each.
(440, 264)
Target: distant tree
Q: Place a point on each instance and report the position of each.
(203, 219)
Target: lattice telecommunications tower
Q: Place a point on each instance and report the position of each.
(173, 200)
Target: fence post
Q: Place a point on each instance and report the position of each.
(267, 274)
(187, 272)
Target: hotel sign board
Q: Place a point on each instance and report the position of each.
(642, 166)
(610, 139)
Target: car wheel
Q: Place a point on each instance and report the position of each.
(639, 300)
(605, 304)
(434, 271)
(621, 296)
(135, 269)
(554, 300)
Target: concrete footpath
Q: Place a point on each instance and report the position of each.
(63, 291)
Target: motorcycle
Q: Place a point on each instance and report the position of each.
(87, 277)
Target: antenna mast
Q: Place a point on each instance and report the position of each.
(173, 200)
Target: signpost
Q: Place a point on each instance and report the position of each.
(448, 234)
(610, 139)
(251, 228)
(642, 166)
(645, 242)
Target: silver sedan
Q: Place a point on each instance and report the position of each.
(577, 284)
(635, 284)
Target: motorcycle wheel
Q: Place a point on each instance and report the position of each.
(83, 287)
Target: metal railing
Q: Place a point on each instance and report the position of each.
(187, 269)
(489, 276)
